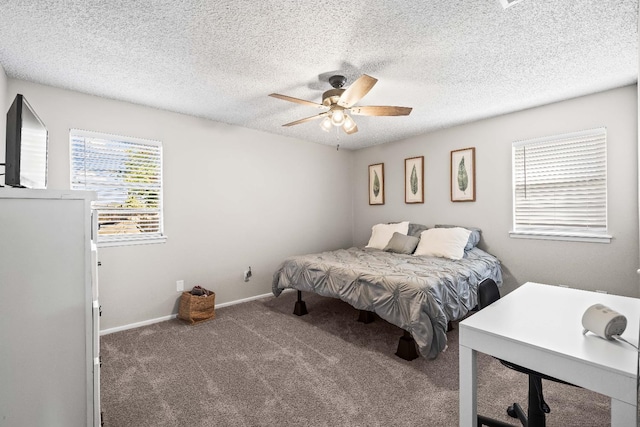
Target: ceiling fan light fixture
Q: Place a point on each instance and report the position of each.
(326, 124)
(348, 124)
(337, 117)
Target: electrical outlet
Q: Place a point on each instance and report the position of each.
(180, 285)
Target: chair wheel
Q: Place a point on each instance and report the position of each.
(511, 411)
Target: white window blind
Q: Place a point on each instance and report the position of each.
(126, 174)
(560, 185)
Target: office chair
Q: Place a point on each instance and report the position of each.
(488, 293)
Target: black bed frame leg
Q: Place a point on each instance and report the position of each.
(300, 308)
(407, 347)
(449, 326)
(366, 316)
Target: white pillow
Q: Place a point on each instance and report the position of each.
(382, 233)
(443, 242)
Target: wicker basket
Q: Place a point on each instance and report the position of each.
(196, 309)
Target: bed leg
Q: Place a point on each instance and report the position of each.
(365, 316)
(407, 347)
(300, 308)
(449, 326)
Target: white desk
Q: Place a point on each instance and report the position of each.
(540, 327)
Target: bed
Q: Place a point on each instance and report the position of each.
(416, 292)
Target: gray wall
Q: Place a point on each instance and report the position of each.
(236, 197)
(611, 267)
(4, 106)
(233, 198)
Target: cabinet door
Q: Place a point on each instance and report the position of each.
(45, 309)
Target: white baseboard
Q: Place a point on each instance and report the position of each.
(173, 316)
(137, 324)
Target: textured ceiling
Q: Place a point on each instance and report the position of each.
(452, 61)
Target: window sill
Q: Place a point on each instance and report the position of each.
(568, 237)
(131, 242)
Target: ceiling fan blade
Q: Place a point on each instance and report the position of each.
(381, 111)
(356, 91)
(308, 119)
(296, 100)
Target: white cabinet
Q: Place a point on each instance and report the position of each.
(49, 310)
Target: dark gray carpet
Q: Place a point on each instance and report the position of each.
(256, 364)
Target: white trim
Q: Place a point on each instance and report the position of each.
(105, 135)
(173, 316)
(240, 301)
(561, 137)
(569, 237)
(132, 241)
(137, 324)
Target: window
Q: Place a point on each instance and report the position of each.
(560, 187)
(126, 174)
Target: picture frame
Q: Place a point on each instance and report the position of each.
(376, 184)
(414, 180)
(463, 175)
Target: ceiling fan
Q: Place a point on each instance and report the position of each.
(338, 102)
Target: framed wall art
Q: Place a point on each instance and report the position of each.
(414, 180)
(376, 184)
(463, 175)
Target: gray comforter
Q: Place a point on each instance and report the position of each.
(418, 294)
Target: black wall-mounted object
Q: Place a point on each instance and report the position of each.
(26, 147)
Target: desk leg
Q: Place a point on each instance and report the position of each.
(623, 414)
(468, 387)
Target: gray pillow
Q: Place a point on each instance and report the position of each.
(402, 244)
(474, 237)
(416, 229)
